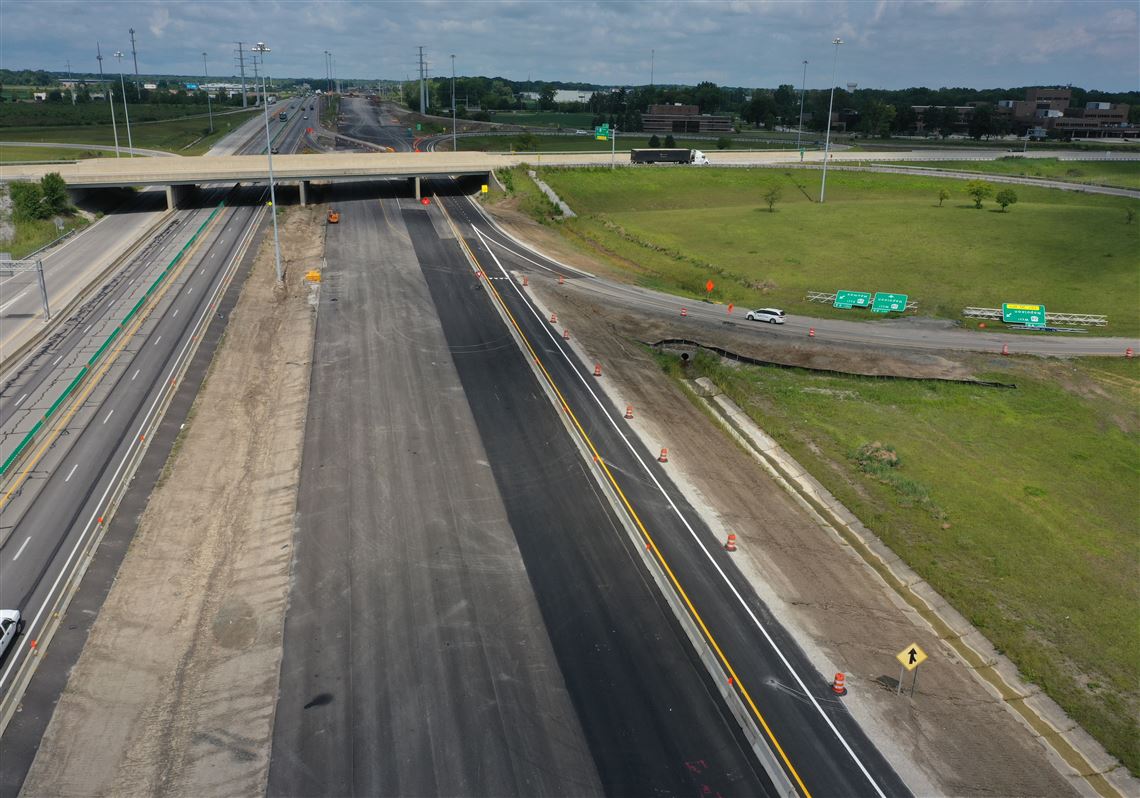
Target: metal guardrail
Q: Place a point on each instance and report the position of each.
(829, 299)
(1083, 319)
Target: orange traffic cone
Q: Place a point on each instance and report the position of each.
(561, 279)
(1128, 353)
(684, 312)
(838, 686)
(664, 458)
(565, 335)
(629, 411)
(811, 332)
(1005, 349)
(525, 280)
(597, 369)
(730, 544)
(553, 318)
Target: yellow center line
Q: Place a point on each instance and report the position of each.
(649, 541)
(97, 375)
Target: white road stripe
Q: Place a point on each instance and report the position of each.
(89, 326)
(21, 400)
(21, 551)
(70, 473)
(13, 299)
(188, 293)
(175, 313)
(56, 361)
(156, 340)
(606, 411)
(108, 418)
(135, 374)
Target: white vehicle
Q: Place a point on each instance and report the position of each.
(699, 158)
(770, 315)
(10, 626)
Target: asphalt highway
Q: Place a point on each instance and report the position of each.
(464, 600)
(53, 501)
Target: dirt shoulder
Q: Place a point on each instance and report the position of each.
(176, 688)
(953, 736)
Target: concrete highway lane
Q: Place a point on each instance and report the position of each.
(466, 616)
(814, 737)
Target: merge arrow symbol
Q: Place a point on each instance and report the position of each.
(913, 656)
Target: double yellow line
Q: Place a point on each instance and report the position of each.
(734, 679)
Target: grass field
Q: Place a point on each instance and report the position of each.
(675, 228)
(1125, 174)
(182, 136)
(584, 143)
(1019, 506)
(30, 236)
(25, 154)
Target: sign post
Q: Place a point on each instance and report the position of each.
(1029, 315)
(909, 659)
(888, 303)
(852, 299)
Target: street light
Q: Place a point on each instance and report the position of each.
(209, 105)
(827, 144)
(126, 112)
(800, 129)
(454, 146)
(262, 50)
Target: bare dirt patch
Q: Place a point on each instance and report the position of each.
(175, 691)
(953, 737)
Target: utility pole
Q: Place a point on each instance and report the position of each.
(71, 81)
(800, 129)
(453, 137)
(102, 84)
(422, 87)
(241, 66)
(827, 143)
(652, 59)
(206, 86)
(135, 55)
(126, 112)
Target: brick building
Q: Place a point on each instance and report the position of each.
(683, 119)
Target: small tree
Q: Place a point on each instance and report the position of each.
(771, 197)
(1005, 198)
(54, 191)
(979, 190)
(670, 141)
(723, 143)
(526, 141)
(654, 141)
(1129, 215)
(943, 195)
(27, 201)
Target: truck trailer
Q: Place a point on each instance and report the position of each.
(668, 156)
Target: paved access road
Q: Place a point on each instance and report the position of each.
(374, 124)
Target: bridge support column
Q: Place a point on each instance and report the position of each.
(418, 196)
(170, 198)
(176, 195)
(304, 193)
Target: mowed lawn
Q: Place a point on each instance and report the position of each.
(189, 136)
(674, 228)
(1125, 174)
(1020, 506)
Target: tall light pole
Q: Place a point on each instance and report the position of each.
(328, 72)
(126, 111)
(263, 50)
(827, 143)
(209, 104)
(114, 128)
(800, 128)
(454, 145)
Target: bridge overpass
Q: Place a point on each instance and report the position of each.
(331, 167)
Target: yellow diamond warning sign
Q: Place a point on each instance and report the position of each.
(911, 657)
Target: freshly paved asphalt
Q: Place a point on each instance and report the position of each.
(463, 599)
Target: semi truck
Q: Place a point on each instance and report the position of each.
(668, 156)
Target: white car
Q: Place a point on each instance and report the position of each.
(10, 626)
(770, 315)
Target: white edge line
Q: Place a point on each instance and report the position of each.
(112, 484)
(696, 538)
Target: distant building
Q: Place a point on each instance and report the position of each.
(572, 96)
(679, 118)
(1050, 110)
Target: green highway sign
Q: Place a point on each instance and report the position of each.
(602, 133)
(852, 299)
(1029, 315)
(888, 303)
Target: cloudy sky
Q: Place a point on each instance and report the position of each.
(887, 43)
